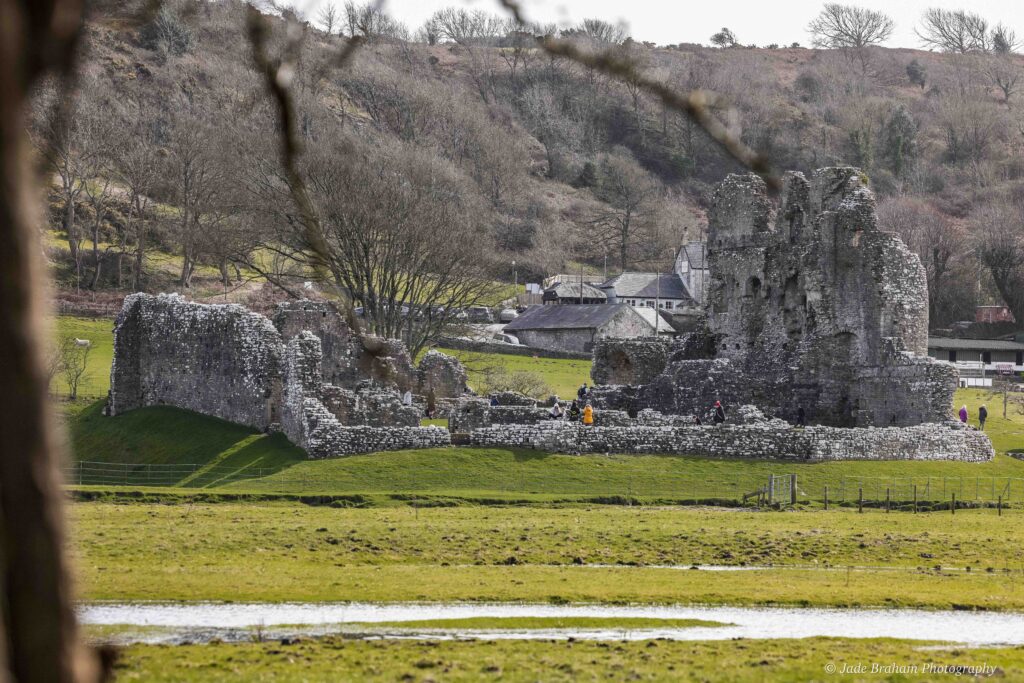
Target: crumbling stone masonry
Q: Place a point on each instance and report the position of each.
(226, 361)
(629, 361)
(219, 360)
(810, 305)
(771, 440)
(311, 425)
(441, 374)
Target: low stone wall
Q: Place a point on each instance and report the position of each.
(460, 344)
(478, 415)
(936, 441)
(333, 440)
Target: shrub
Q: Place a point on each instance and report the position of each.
(166, 32)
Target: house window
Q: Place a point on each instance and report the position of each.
(952, 355)
(1020, 358)
(986, 357)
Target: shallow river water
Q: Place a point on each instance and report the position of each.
(197, 622)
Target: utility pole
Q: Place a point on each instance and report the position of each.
(581, 282)
(515, 285)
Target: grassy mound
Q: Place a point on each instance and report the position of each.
(166, 436)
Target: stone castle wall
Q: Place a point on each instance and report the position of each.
(226, 361)
(936, 441)
(219, 360)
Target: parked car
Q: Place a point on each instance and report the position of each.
(507, 315)
(479, 314)
(507, 338)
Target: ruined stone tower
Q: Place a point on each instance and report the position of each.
(810, 305)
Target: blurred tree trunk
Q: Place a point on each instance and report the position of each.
(38, 638)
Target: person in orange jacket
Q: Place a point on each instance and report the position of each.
(588, 415)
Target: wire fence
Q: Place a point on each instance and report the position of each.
(752, 489)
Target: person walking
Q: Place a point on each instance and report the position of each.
(588, 415)
(982, 416)
(963, 414)
(581, 393)
(719, 413)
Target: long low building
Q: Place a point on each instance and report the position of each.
(978, 359)
(579, 327)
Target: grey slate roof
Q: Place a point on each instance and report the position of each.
(578, 317)
(646, 286)
(571, 290)
(695, 253)
(975, 344)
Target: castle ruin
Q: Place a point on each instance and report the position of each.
(306, 374)
(810, 305)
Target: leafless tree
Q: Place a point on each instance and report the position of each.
(598, 32)
(998, 229)
(972, 126)
(135, 163)
(851, 29)
(956, 31)
(369, 21)
(627, 217)
(1004, 39)
(329, 18)
(941, 244)
(74, 362)
(71, 139)
(199, 171)
(401, 234)
(1003, 72)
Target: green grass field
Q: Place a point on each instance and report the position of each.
(289, 551)
(563, 376)
(742, 661)
(96, 380)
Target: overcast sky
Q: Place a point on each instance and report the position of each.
(685, 21)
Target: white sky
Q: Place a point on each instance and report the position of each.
(688, 21)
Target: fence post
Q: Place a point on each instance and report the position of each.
(999, 506)
(915, 499)
(887, 500)
(826, 497)
(771, 489)
(792, 489)
(860, 499)
(953, 506)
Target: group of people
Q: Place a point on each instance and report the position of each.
(580, 410)
(982, 416)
